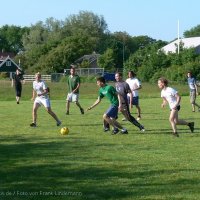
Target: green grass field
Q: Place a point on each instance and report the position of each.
(39, 163)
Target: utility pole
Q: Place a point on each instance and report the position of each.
(178, 39)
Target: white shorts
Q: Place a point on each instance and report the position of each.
(43, 101)
(72, 97)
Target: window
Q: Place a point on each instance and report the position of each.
(8, 63)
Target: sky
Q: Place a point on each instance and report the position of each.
(157, 19)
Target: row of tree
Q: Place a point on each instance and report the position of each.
(53, 45)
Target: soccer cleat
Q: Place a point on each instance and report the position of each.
(115, 131)
(175, 134)
(124, 131)
(124, 119)
(58, 123)
(33, 124)
(67, 113)
(17, 102)
(191, 126)
(106, 129)
(82, 111)
(142, 129)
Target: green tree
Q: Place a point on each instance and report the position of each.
(11, 38)
(106, 60)
(193, 32)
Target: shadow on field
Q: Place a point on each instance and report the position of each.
(37, 169)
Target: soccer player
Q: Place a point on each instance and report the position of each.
(171, 96)
(17, 80)
(41, 90)
(135, 85)
(123, 89)
(73, 93)
(193, 91)
(110, 115)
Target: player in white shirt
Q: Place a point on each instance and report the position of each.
(135, 85)
(41, 90)
(171, 96)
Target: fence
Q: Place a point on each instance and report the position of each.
(87, 71)
(55, 77)
(32, 77)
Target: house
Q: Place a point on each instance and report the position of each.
(91, 59)
(8, 65)
(192, 42)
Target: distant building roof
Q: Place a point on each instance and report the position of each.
(92, 59)
(4, 55)
(193, 42)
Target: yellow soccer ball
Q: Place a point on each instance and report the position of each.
(64, 130)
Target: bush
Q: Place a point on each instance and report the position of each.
(4, 75)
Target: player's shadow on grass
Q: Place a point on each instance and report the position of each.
(169, 131)
(92, 124)
(73, 167)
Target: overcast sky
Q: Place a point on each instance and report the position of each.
(155, 18)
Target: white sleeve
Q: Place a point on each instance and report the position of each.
(138, 82)
(44, 86)
(173, 92)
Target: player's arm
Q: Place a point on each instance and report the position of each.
(45, 91)
(95, 104)
(131, 99)
(164, 103)
(77, 87)
(196, 88)
(120, 101)
(138, 87)
(178, 100)
(33, 95)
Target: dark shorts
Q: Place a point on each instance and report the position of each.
(135, 101)
(177, 108)
(112, 111)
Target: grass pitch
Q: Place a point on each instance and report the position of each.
(40, 163)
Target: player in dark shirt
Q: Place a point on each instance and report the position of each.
(17, 81)
(123, 89)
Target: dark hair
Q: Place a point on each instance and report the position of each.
(132, 73)
(101, 79)
(119, 73)
(163, 80)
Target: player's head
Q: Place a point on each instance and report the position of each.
(18, 71)
(162, 82)
(72, 70)
(38, 76)
(118, 76)
(101, 81)
(189, 74)
(131, 74)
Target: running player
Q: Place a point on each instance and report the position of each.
(110, 115)
(123, 89)
(73, 93)
(171, 96)
(41, 90)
